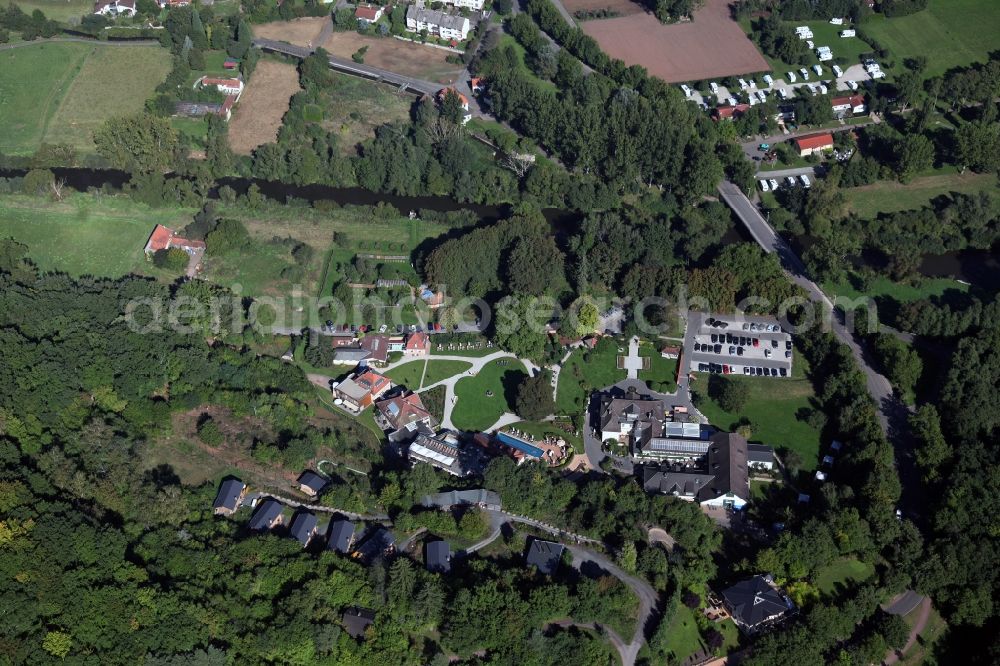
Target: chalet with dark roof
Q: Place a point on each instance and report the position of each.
(437, 556)
(341, 536)
(756, 604)
(544, 556)
(311, 483)
(356, 621)
(230, 495)
(378, 543)
(267, 515)
(303, 527)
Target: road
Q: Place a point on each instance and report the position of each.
(347, 66)
(781, 174)
(892, 413)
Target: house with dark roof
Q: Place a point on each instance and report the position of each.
(437, 556)
(760, 456)
(756, 604)
(544, 556)
(719, 477)
(303, 527)
(402, 417)
(311, 483)
(448, 453)
(486, 499)
(267, 515)
(341, 536)
(631, 419)
(230, 495)
(377, 543)
(377, 346)
(351, 356)
(356, 621)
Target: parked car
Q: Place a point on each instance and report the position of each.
(725, 369)
(774, 372)
(746, 370)
(764, 186)
(805, 181)
(767, 353)
(788, 354)
(756, 342)
(782, 372)
(788, 344)
(774, 184)
(718, 349)
(383, 328)
(732, 350)
(739, 351)
(791, 181)
(774, 343)
(703, 367)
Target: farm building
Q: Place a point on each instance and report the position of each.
(813, 143)
(114, 8)
(437, 23)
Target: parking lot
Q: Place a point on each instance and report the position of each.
(749, 346)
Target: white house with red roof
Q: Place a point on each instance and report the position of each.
(231, 86)
(163, 238)
(368, 13)
(852, 104)
(113, 8)
(417, 344)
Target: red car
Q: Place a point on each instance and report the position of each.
(756, 342)
(725, 369)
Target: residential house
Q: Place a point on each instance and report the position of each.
(368, 13)
(378, 543)
(760, 456)
(303, 527)
(437, 556)
(756, 604)
(848, 105)
(632, 418)
(719, 477)
(729, 111)
(341, 339)
(341, 536)
(356, 621)
(267, 515)
(163, 238)
(437, 23)
(311, 483)
(377, 346)
(813, 143)
(432, 299)
(417, 344)
(477, 84)
(404, 416)
(231, 86)
(360, 391)
(484, 499)
(351, 356)
(463, 101)
(446, 452)
(230, 495)
(476, 5)
(544, 556)
(670, 351)
(114, 8)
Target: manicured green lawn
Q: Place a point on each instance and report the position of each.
(579, 377)
(731, 633)
(662, 373)
(409, 374)
(57, 10)
(949, 33)
(883, 287)
(484, 398)
(685, 639)
(61, 93)
(84, 236)
(771, 408)
(891, 196)
(842, 573)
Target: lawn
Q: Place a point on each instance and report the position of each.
(662, 373)
(684, 637)
(842, 573)
(409, 374)
(950, 33)
(83, 235)
(824, 34)
(883, 287)
(582, 373)
(484, 398)
(771, 409)
(61, 93)
(891, 196)
(58, 10)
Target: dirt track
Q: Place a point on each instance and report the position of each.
(710, 46)
(262, 106)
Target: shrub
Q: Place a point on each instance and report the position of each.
(174, 259)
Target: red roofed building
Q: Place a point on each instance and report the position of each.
(227, 86)
(417, 344)
(728, 112)
(814, 143)
(477, 84)
(368, 13)
(852, 104)
(361, 391)
(404, 412)
(163, 238)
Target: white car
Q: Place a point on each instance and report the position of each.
(764, 186)
(768, 79)
(810, 44)
(731, 101)
(805, 181)
(818, 69)
(823, 89)
(743, 85)
(805, 74)
(836, 21)
(774, 184)
(837, 71)
(752, 84)
(791, 181)
(714, 87)
(784, 93)
(853, 85)
(811, 88)
(791, 77)
(383, 328)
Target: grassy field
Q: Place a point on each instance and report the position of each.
(891, 196)
(61, 93)
(883, 287)
(685, 639)
(409, 374)
(824, 34)
(58, 10)
(771, 409)
(84, 236)
(579, 377)
(950, 33)
(842, 573)
(662, 371)
(484, 398)
(357, 107)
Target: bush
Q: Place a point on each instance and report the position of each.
(37, 181)
(209, 433)
(174, 259)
